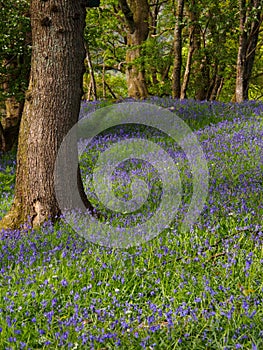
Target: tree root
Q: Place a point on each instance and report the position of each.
(13, 219)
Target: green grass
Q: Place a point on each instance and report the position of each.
(201, 289)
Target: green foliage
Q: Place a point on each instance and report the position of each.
(216, 45)
(105, 35)
(15, 48)
(216, 35)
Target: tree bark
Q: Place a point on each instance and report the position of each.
(187, 71)
(249, 31)
(136, 13)
(51, 108)
(217, 87)
(176, 75)
(2, 138)
(93, 86)
(241, 56)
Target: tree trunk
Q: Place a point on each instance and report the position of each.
(252, 43)
(249, 25)
(19, 72)
(136, 13)
(154, 12)
(51, 107)
(188, 65)
(176, 75)
(2, 138)
(241, 56)
(219, 80)
(201, 93)
(93, 87)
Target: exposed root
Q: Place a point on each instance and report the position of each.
(13, 219)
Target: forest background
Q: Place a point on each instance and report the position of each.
(205, 50)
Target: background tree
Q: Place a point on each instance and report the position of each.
(15, 51)
(256, 79)
(137, 14)
(106, 38)
(250, 19)
(209, 51)
(176, 75)
(51, 108)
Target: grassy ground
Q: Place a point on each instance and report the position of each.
(200, 289)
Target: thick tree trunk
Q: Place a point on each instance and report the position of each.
(137, 14)
(51, 107)
(249, 25)
(176, 76)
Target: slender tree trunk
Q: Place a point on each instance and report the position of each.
(2, 138)
(154, 12)
(213, 80)
(217, 87)
(249, 24)
(103, 80)
(166, 69)
(176, 75)
(93, 87)
(204, 75)
(51, 108)
(136, 13)
(201, 64)
(187, 71)
(220, 87)
(197, 43)
(241, 56)
(88, 96)
(252, 43)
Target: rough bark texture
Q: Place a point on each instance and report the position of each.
(176, 80)
(51, 107)
(136, 13)
(249, 25)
